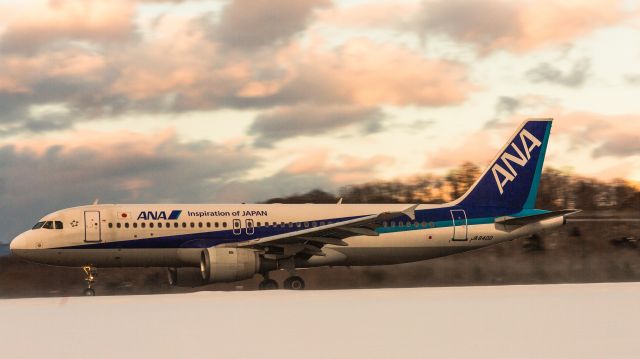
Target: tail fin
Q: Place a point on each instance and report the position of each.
(511, 180)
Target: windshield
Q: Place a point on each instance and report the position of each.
(38, 225)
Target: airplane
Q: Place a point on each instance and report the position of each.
(210, 243)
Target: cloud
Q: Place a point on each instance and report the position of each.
(623, 146)
(517, 26)
(289, 122)
(574, 77)
(604, 135)
(510, 110)
(342, 170)
(44, 24)
(100, 80)
(366, 73)
(468, 150)
(252, 24)
(40, 177)
(373, 15)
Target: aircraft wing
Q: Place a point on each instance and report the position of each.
(311, 240)
(521, 221)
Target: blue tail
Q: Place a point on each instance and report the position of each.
(511, 181)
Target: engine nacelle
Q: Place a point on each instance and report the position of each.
(227, 264)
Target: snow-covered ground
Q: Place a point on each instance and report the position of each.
(539, 321)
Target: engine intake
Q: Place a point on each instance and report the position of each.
(227, 264)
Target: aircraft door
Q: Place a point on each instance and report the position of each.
(92, 230)
(459, 218)
(249, 226)
(237, 227)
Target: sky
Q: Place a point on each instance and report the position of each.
(244, 100)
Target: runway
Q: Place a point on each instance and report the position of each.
(537, 321)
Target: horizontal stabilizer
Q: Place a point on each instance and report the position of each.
(521, 221)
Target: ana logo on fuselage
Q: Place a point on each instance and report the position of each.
(155, 215)
(508, 174)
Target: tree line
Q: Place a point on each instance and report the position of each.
(558, 190)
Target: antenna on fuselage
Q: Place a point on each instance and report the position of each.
(340, 200)
(96, 201)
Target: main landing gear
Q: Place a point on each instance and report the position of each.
(293, 282)
(90, 278)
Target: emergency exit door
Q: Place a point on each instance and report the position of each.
(92, 230)
(459, 218)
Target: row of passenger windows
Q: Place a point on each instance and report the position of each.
(250, 224)
(168, 225)
(48, 225)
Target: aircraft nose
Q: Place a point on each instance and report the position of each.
(18, 243)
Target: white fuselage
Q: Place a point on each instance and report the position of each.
(149, 235)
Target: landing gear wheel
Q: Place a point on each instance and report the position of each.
(268, 284)
(295, 283)
(89, 292)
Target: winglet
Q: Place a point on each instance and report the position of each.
(411, 212)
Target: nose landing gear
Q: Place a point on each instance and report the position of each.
(90, 278)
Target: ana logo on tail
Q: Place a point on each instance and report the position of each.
(508, 174)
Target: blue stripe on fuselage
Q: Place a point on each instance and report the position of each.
(435, 218)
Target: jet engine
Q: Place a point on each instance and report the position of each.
(227, 264)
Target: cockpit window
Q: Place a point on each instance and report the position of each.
(48, 225)
(58, 224)
(38, 225)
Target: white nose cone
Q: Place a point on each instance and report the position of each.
(18, 243)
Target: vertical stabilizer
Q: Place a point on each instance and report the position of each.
(511, 181)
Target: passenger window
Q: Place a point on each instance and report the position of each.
(258, 224)
(118, 224)
(385, 223)
(193, 224)
(135, 224)
(184, 224)
(224, 224)
(424, 224)
(216, 224)
(159, 224)
(199, 224)
(143, 224)
(175, 225)
(126, 225)
(48, 225)
(167, 225)
(208, 224)
(150, 224)
(110, 225)
(58, 224)
(306, 224)
(392, 223)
